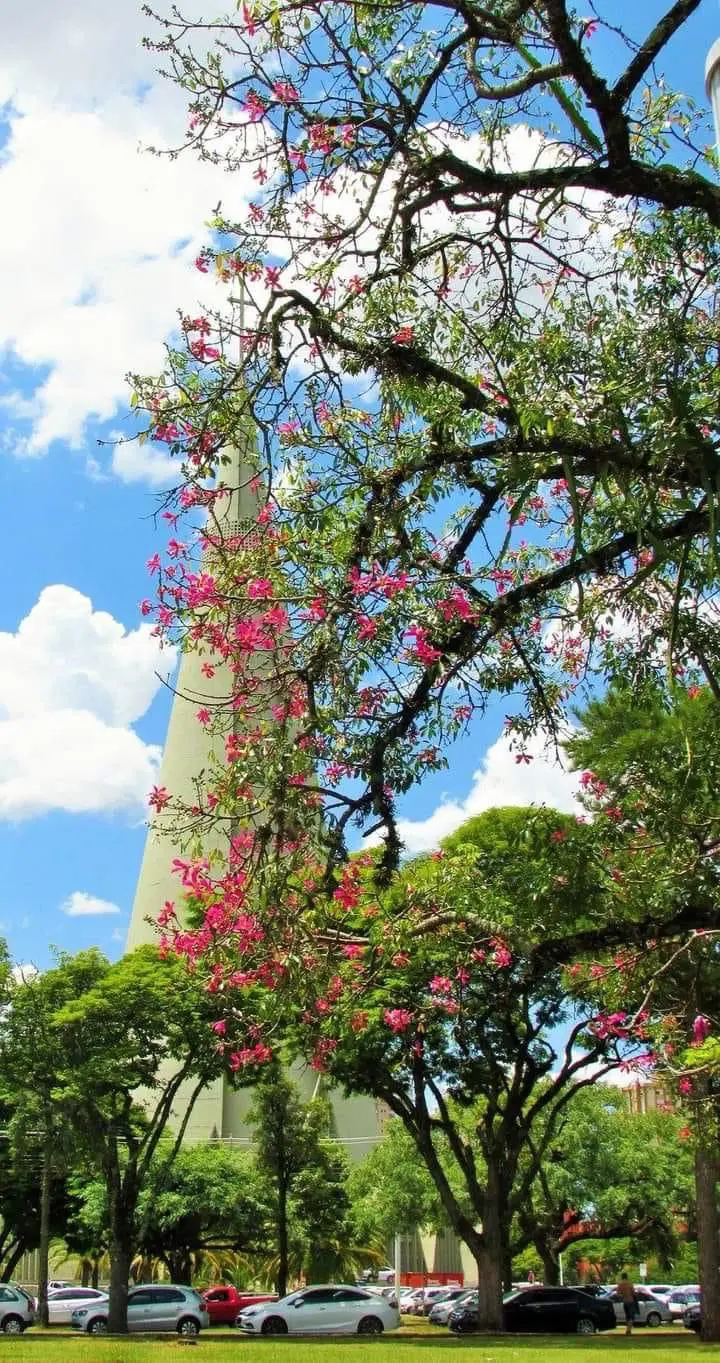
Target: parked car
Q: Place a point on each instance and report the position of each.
(660, 1289)
(446, 1294)
(64, 1300)
(329, 1308)
(224, 1302)
(56, 1284)
(385, 1290)
(680, 1299)
(16, 1310)
(651, 1310)
(692, 1316)
(439, 1314)
(543, 1310)
(386, 1275)
(32, 1300)
(408, 1300)
(426, 1297)
(155, 1308)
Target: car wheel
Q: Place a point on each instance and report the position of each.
(13, 1325)
(97, 1327)
(653, 1319)
(370, 1325)
(188, 1327)
(586, 1326)
(274, 1325)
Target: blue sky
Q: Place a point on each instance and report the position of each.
(96, 250)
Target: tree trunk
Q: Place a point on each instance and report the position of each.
(121, 1220)
(12, 1261)
(120, 1260)
(707, 1171)
(282, 1239)
(85, 1273)
(95, 1276)
(491, 1256)
(44, 1246)
(551, 1266)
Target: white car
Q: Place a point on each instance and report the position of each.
(409, 1300)
(325, 1309)
(64, 1300)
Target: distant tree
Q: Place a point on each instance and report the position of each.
(114, 1032)
(652, 781)
(305, 1175)
(21, 1188)
(608, 1174)
(452, 1014)
(211, 1199)
(391, 1190)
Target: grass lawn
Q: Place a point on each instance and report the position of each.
(39, 1346)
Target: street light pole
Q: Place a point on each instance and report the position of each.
(712, 85)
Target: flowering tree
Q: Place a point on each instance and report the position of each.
(447, 1002)
(474, 385)
(481, 360)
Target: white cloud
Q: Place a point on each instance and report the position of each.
(24, 973)
(135, 463)
(82, 905)
(97, 239)
(72, 682)
(499, 780)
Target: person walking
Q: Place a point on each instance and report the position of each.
(626, 1293)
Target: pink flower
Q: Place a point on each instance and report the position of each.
(202, 264)
(701, 1029)
(285, 92)
(260, 587)
(254, 106)
(220, 1028)
(158, 798)
(397, 1019)
(272, 275)
(367, 628)
(685, 1086)
(403, 336)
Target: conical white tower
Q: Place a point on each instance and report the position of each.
(220, 1112)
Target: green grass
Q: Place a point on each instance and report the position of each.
(39, 1346)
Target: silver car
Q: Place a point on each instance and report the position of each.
(651, 1310)
(155, 1308)
(16, 1310)
(439, 1314)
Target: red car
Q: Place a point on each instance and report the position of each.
(223, 1303)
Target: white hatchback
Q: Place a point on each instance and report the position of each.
(64, 1300)
(331, 1308)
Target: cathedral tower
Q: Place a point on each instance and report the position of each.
(220, 1111)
